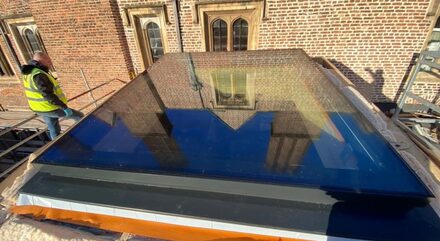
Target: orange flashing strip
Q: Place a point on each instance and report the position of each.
(141, 227)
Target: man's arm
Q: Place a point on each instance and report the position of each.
(45, 86)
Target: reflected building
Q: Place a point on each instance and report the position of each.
(234, 87)
(145, 119)
(290, 138)
(258, 116)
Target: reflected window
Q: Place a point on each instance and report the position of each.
(240, 34)
(240, 88)
(223, 86)
(155, 40)
(231, 89)
(220, 35)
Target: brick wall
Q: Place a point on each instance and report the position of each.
(83, 35)
(371, 41)
(354, 34)
(79, 35)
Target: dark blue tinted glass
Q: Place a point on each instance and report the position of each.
(274, 120)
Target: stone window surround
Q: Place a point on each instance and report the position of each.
(230, 17)
(15, 28)
(134, 18)
(229, 11)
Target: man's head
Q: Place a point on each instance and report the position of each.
(43, 59)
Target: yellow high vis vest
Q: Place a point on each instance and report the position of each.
(35, 99)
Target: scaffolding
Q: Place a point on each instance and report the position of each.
(419, 122)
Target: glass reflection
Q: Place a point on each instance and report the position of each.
(231, 89)
(260, 116)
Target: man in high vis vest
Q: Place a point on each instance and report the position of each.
(44, 94)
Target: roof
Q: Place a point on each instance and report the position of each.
(266, 127)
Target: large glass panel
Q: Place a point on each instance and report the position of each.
(220, 35)
(240, 34)
(302, 132)
(240, 88)
(153, 32)
(223, 86)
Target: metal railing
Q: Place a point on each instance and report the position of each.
(407, 90)
(39, 132)
(9, 128)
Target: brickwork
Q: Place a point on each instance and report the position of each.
(273, 83)
(14, 7)
(372, 42)
(355, 35)
(79, 35)
(82, 35)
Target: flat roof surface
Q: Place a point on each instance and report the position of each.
(370, 218)
(259, 116)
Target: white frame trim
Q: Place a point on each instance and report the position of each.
(26, 199)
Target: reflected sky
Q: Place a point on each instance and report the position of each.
(258, 116)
